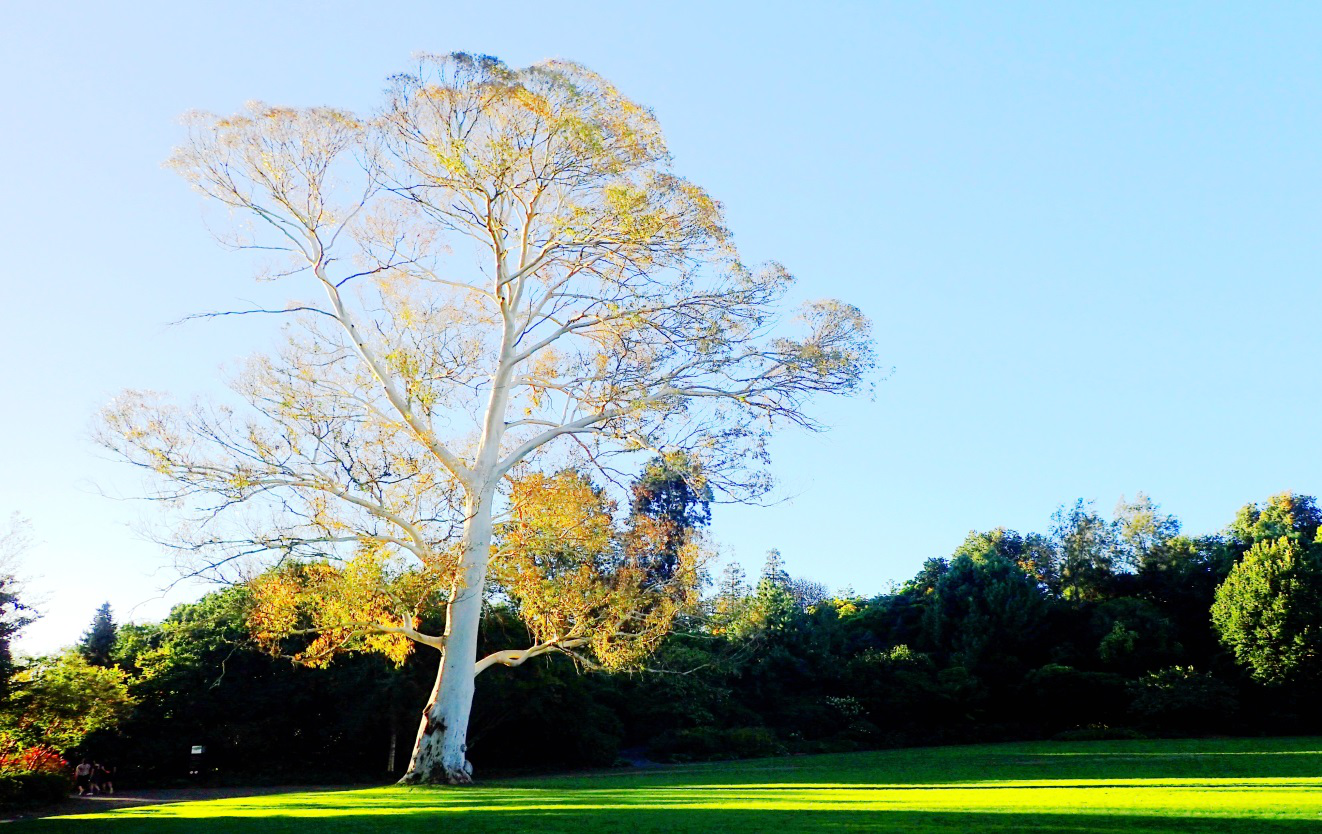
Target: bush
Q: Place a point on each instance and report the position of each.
(24, 789)
(1269, 612)
(16, 759)
(686, 745)
(1183, 699)
(702, 743)
(1065, 698)
(752, 742)
(31, 775)
(1098, 732)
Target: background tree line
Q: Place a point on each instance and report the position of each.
(49, 705)
(1097, 627)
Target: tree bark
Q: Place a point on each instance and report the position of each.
(440, 754)
(441, 751)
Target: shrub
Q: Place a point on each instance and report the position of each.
(35, 759)
(24, 789)
(30, 775)
(1063, 698)
(699, 743)
(752, 742)
(1098, 732)
(1183, 699)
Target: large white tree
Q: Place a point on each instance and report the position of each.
(499, 277)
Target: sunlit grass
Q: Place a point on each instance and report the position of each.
(1135, 787)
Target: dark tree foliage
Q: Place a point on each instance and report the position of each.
(15, 615)
(672, 492)
(986, 615)
(98, 643)
(200, 681)
(1100, 628)
(671, 488)
(1086, 547)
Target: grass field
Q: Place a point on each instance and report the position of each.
(1240, 785)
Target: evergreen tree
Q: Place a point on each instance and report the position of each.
(985, 614)
(773, 572)
(773, 603)
(671, 499)
(1087, 545)
(98, 643)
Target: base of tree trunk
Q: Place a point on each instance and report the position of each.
(439, 775)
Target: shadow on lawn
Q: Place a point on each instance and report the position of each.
(947, 767)
(673, 821)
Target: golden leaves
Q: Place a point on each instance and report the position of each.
(575, 574)
(280, 153)
(362, 604)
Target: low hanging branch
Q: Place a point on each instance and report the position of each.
(517, 657)
(578, 578)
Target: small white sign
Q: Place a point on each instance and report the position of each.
(198, 749)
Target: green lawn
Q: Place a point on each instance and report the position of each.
(1241, 785)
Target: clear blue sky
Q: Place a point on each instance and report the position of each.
(1088, 235)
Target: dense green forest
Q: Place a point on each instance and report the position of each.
(1097, 628)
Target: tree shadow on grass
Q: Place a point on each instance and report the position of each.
(953, 765)
(404, 820)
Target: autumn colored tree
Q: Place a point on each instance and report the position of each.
(497, 279)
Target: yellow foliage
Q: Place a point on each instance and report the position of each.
(358, 605)
(578, 577)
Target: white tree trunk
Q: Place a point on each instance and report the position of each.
(440, 754)
(441, 751)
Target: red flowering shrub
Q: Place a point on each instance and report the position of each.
(32, 775)
(37, 758)
(42, 759)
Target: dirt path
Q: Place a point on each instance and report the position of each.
(128, 799)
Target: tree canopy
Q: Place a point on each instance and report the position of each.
(1269, 609)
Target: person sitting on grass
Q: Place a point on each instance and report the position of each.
(82, 777)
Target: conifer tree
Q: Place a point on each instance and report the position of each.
(98, 641)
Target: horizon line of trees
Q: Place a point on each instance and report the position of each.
(1097, 628)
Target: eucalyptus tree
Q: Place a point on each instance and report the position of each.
(498, 279)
